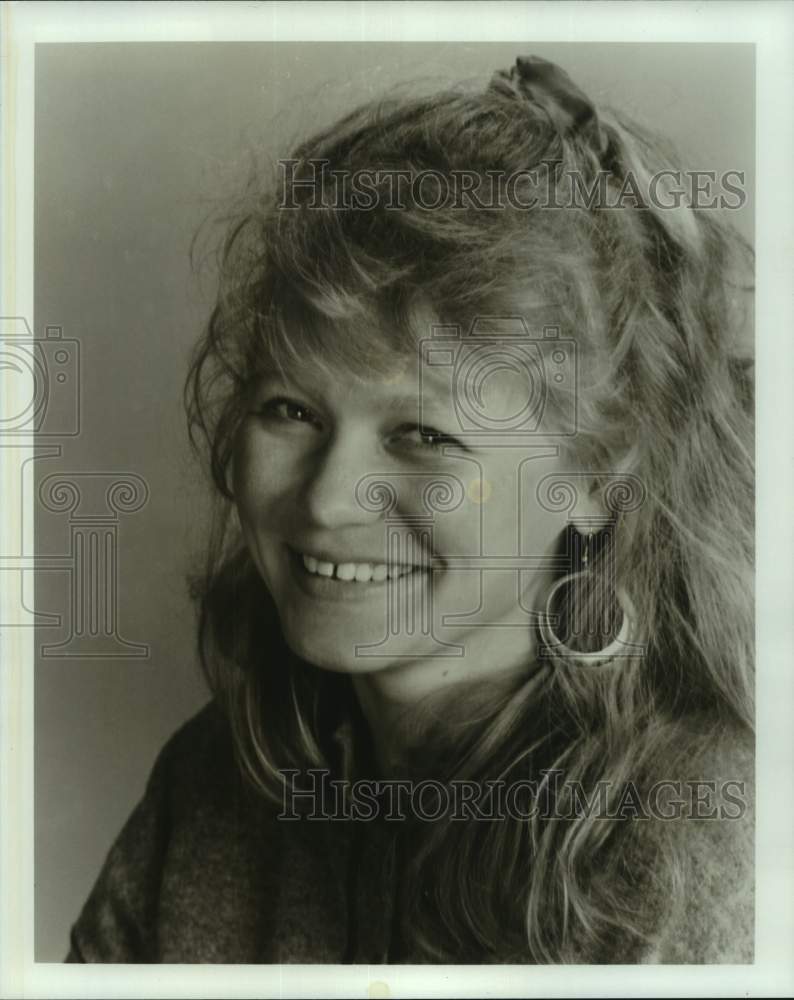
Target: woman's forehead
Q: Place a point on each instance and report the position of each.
(407, 383)
(420, 348)
(377, 337)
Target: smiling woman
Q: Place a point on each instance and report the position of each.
(485, 508)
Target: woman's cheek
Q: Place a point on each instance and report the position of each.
(241, 460)
(252, 457)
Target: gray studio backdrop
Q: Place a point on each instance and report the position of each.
(135, 145)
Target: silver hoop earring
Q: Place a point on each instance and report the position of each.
(621, 644)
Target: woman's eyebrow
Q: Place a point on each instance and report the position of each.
(283, 380)
(433, 399)
(420, 404)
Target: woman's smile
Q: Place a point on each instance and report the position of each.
(323, 579)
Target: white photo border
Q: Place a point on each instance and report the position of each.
(770, 26)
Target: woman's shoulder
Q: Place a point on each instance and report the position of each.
(173, 884)
(718, 745)
(701, 830)
(202, 745)
(197, 773)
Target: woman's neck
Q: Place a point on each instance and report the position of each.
(402, 704)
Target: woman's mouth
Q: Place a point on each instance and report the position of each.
(354, 572)
(322, 578)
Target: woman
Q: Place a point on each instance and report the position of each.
(477, 614)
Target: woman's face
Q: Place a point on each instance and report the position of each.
(370, 578)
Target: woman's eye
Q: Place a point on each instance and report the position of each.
(288, 410)
(429, 438)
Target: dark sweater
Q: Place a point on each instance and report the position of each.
(204, 871)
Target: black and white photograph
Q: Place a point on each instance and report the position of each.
(386, 500)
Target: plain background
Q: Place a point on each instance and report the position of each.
(135, 145)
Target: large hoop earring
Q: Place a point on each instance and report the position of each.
(620, 645)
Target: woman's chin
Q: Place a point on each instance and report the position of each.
(336, 653)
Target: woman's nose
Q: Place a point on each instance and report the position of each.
(330, 489)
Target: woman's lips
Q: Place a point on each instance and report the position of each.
(345, 581)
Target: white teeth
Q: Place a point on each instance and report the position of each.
(346, 571)
(358, 572)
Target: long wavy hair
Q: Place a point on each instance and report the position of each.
(657, 301)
